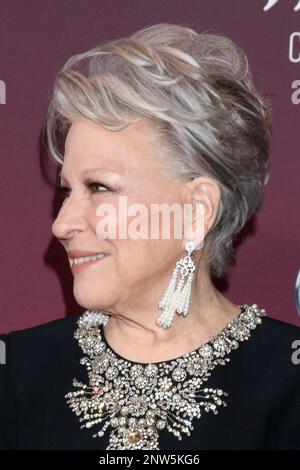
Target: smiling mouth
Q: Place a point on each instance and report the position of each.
(85, 259)
(77, 264)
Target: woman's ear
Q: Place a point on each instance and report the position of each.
(205, 195)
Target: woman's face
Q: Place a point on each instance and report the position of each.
(99, 167)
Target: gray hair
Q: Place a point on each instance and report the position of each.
(197, 91)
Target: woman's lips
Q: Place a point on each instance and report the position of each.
(76, 268)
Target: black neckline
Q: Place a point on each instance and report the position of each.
(103, 337)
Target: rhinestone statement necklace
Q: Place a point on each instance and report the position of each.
(137, 400)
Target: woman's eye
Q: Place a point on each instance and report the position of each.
(98, 185)
(64, 192)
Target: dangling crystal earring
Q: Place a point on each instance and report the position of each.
(177, 298)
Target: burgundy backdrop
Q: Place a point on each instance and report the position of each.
(36, 38)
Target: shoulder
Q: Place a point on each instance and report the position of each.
(279, 328)
(38, 356)
(32, 361)
(278, 359)
(274, 347)
(49, 327)
(270, 363)
(39, 343)
(276, 337)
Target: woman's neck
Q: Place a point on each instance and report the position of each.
(135, 336)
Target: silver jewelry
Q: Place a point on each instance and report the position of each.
(138, 400)
(177, 298)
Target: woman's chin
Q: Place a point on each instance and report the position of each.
(89, 300)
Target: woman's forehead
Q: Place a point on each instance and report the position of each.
(90, 146)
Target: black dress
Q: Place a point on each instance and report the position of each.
(261, 379)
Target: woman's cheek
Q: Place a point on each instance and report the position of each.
(103, 219)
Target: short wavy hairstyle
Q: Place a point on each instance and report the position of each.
(197, 92)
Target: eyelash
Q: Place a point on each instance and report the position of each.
(63, 191)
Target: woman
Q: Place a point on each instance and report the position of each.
(170, 117)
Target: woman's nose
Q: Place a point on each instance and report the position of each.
(69, 219)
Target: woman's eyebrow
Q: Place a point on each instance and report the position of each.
(91, 171)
